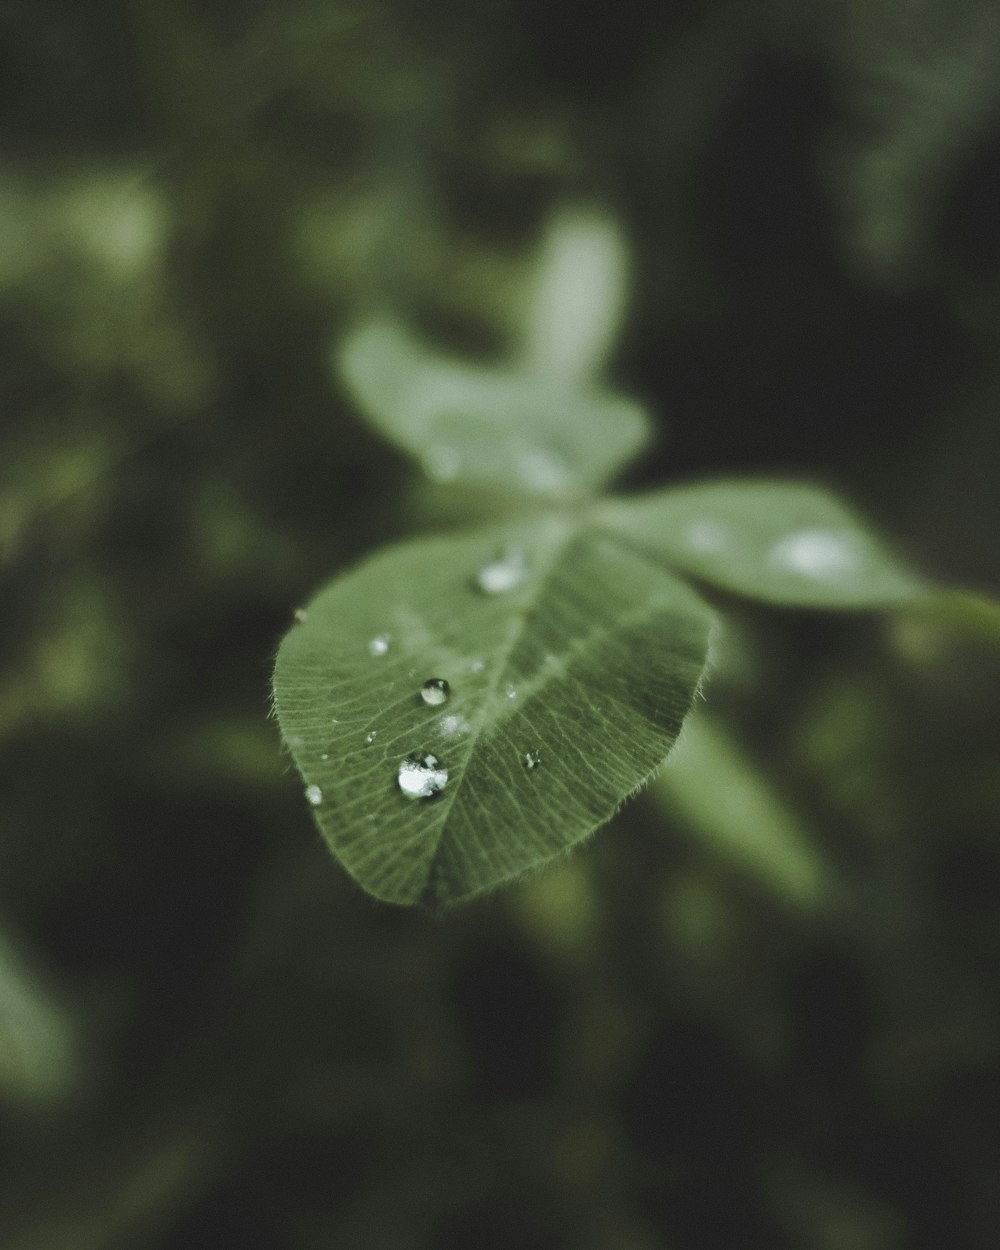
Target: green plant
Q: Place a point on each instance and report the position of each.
(565, 642)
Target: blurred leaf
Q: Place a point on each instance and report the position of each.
(579, 296)
(719, 791)
(922, 79)
(523, 431)
(957, 613)
(783, 542)
(569, 683)
(38, 1060)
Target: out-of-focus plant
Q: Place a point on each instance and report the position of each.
(467, 706)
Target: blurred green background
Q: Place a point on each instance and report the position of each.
(208, 1036)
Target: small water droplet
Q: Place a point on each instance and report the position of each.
(442, 463)
(300, 616)
(370, 737)
(531, 760)
(476, 666)
(379, 645)
(325, 755)
(543, 472)
(453, 724)
(705, 535)
(314, 795)
(506, 573)
(435, 691)
(294, 740)
(823, 555)
(421, 776)
(334, 721)
(510, 691)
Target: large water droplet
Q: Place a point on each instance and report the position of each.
(314, 795)
(504, 574)
(421, 776)
(531, 760)
(822, 555)
(435, 691)
(379, 645)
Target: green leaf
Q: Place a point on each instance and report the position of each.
(586, 666)
(519, 430)
(959, 613)
(783, 542)
(38, 1051)
(718, 790)
(920, 85)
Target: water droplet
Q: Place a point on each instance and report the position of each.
(453, 724)
(314, 795)
(435, 691)
(421, 776)
(705, 535)
(325, 755)
(504, 574)
(823, 555)
(442, 463)
(294, 740)
(300, 616)
(543, 472)
(531, 760)
(476, 666)
(334, 721)
(379, 645)
(510, 691)
(370, 737)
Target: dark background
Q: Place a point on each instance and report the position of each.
(208, 1035)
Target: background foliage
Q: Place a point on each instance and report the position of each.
(771, 1023)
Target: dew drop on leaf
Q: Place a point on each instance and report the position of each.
(442, 463)
(379, 645)
(543, 472)
(531, 760)
(504, 574)
(370, 737)
(435, 691)
(476, 666)
(421, 776)
(822, 555)
(511, 691)
(705, 535)
(314, 795)
(453, 724)
(300, 616)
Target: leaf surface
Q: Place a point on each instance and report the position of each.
(783, 542)
(587, 666)
(511, 428)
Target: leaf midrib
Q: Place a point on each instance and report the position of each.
(520, 618)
